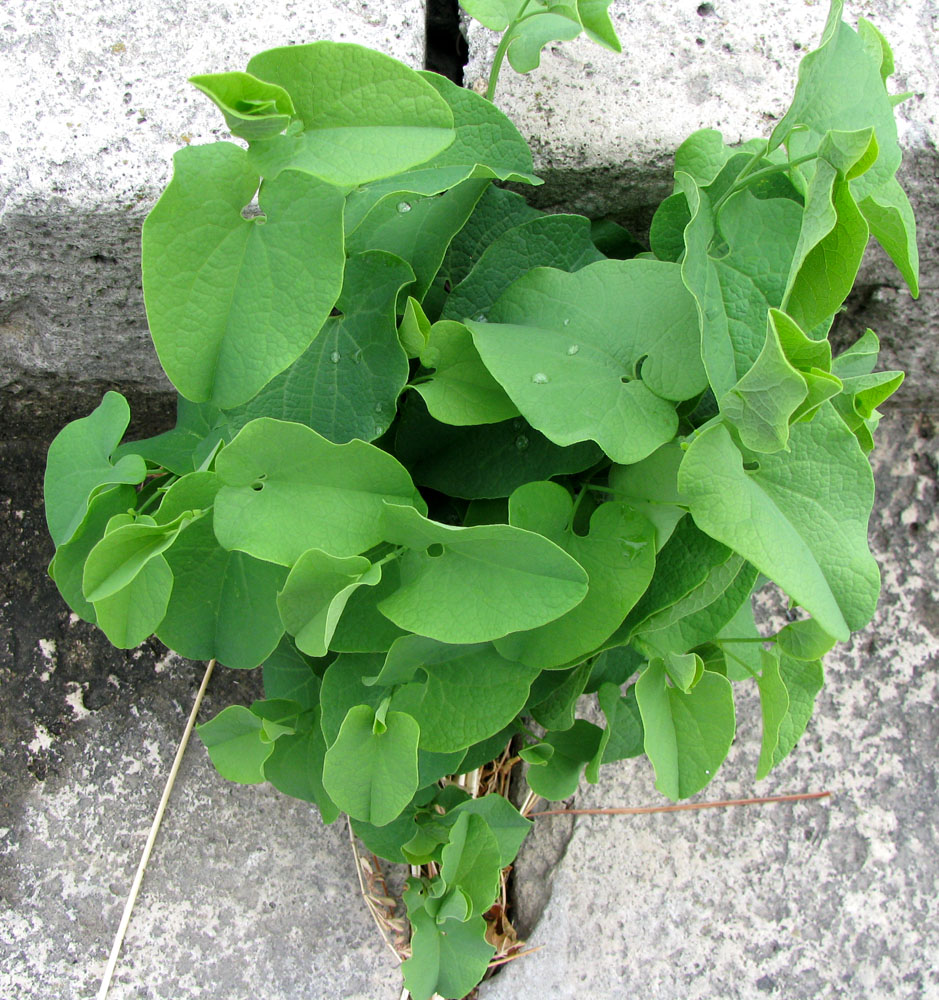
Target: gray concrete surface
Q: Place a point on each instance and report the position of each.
(603, 126)
(97, 103)
(810, 901)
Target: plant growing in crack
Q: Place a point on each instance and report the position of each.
(444, 463)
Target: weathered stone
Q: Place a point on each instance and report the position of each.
(817, 899)
(603, 126)
(97, 104)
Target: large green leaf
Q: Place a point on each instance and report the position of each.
(365, 115)
(489, 460)
(131, 614)
(687, 735)
(315, 594)
(370, 772)
(235, 744)
(286, 489)
(79, 464)
(417, 228)
(840, 87)
(475, 584)
(800, 518)
(568, 349)
(232, 301)
(224, 604)
(346, 383)
(561, 241)
(618, 555)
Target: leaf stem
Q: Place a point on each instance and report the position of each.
(501, 51)
(746, 177)
(158, 492)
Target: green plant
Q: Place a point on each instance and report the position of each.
(444, 463)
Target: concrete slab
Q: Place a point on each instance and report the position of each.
(247, 893)
(817, 900)
(603, 127)
(98, 103)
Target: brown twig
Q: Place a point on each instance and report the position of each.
(684, 806)
(496, 962)
(379, 918)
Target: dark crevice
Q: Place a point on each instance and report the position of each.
(445, 49)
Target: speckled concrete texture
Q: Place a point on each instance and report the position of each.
(247, 894)
(835, 898)
(603, 126)
(97, 103)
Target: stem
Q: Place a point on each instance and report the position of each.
(151, 839)
(746, 177)
(501, 51)
(396, 554)
(158, 492)
(683, 806)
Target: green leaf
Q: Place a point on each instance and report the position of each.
(414, 331)
(461, 390)
(561, 241)
(840, 87)
(485, 461)
(804, 640)
(233, 739)
(554, 696)
(831, 244)
(667, 232)
(475, 584)
(684, 670)
(859, 359)
(216, 285)
(618, 555)
(447, 705)
(774, 704)
(472, 861)
(346, 383)
(315, 594)
(568, 349)
(223, 604)
(448, 959)
(176, 449)
(762, 403)
(131, 614)
(555, 777)
(496, 212)
(252, 109)
(79, 464)
(803, 680)
(493, 14)
(703, 156)
(623, 736)
(117, 559)
(507, 825)
(296, 767)
(534, 33)
(800, 518)
(371, 774)
(687, 736)
(362, 627)
(890, 217)
(651, 487)
(286, 489)
(365, 115)
(289, 675)
(343, 688)
(598, 26)
(743, 659)
(68, 563)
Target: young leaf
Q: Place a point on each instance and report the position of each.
(365, 115)
(286, 489)
(217, 284)
(568, 349)
(774, 704)
(471, 860)
(252, 109)
(233, 739)
(461, 390)
(534, 33)
(343, 688)
(555, 776)
(475, 584)
(493, 14)
(504, 821)
(79, 464)
(370, 772)
(804, 640)
(618, 555)
(687, 736)
(803, 680)
(315, 594)
(800, 518)
(414, 330)
(346, 383)
(890, 217)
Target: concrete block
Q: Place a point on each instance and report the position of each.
(603, 127)
(808, 901)
(97, 103)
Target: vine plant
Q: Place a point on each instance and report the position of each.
(444, 463)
